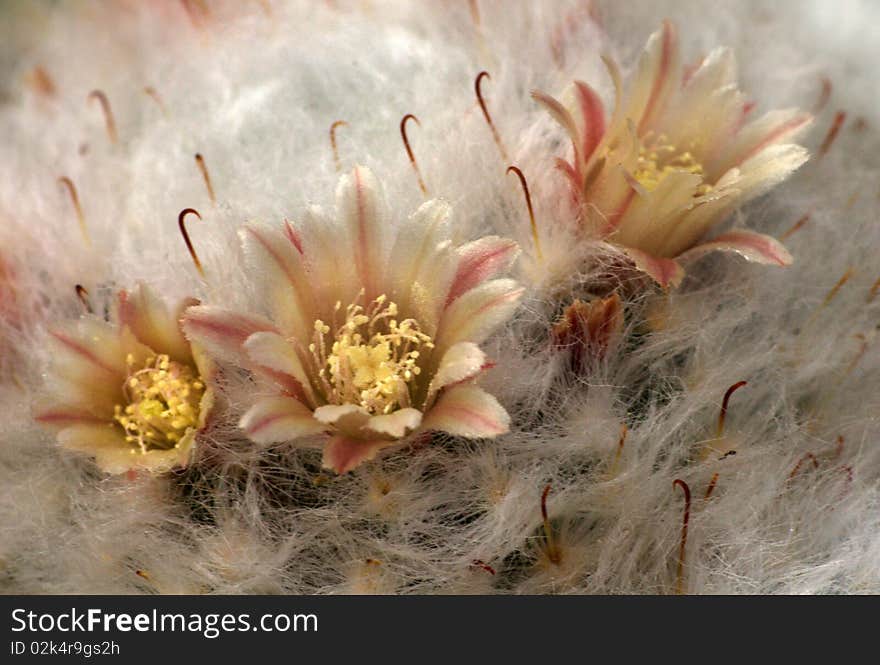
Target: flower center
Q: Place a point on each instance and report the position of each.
(658, 158)
(371, 358)
(163, 403)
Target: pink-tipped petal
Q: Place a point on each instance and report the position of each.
(359, 204)
(593, 118)
(277, 419)
(752, 246)
(481, 260)
(660, 61)
(62, 417)
(347, 418)
(153, 323)
(666, 272)
(84, 355)
(273, 352)
(475, 314)
(222, 333)
(89, 363)
(423, 263)
(395, 425)
(468, 411)
(342, 454)
(562, 116)
(461, 362)
(287, 282)
(773, 128)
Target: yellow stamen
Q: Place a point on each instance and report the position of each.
(659, 158)
(163, 403)
(372, 356)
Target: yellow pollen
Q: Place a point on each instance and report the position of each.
(371, 358)
(659, 158)
(163, 403)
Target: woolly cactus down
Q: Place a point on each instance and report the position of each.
(521, 387)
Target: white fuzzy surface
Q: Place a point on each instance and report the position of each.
(255, 90)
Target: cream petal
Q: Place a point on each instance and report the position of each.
(468, 411)
(771, 129)
(204, 363)
(85, 351)
(162, 461)
(327, 251)
(708, 107)
(360, 207)
(752, 246)
(272, 351)
(462, 361)
(113, 455)
(105, 443)
(207, 369)
(394, 425)
(735, 188)
(347, 418)
(717, 70)
(151, 321)
(281, 265)
(768, 168)
(658, 78)
(474, 315)
(89, 363)
(342, 454)
(222, 333)
(206, 407)
(651, 217)
(708, 211)
(422, 263)
(481, 260)
(277, 419)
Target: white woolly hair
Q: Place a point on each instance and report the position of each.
(254, 88)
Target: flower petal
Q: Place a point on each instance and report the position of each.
(359, 205)
(592, 122)
(771, 129)
(395, 425)
(222, 333)
(765, 170)
(347, 418)
(112, 454)
(423, 263)
(468, 411)
(462, 361)
(285, 279)
(342, 454)
(86, 353)
(659, 76)
(327, 252)
(147, 316)
(104, 441)
(474, 315)
(89, 364)
(277, 419)
(752, 246)
(62, 417)
(666, 272)
(481, 260)
(566, 120)
(272, 351)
